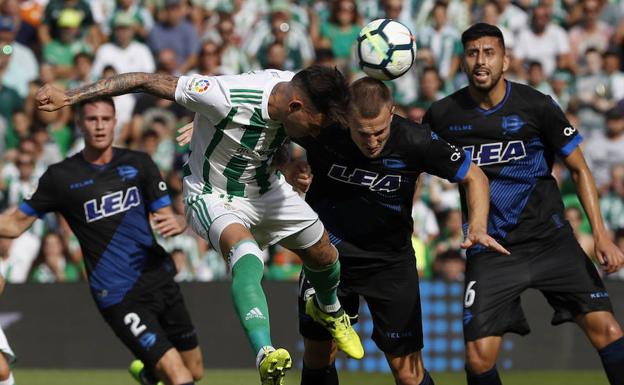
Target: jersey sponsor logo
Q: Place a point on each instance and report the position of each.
(365, 178)
(499, 152)
(81, 184)
(512, 124)
(127, 172)
(112, 204)
(599, 294)
(460, 127)
(259, 152)
(569, 131)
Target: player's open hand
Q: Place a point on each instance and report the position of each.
(168, 224)
(50, 98)
(479, 237)
(299, 175)
(608, 254)
(184, 134)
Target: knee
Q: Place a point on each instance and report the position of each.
(602, 329)
(609, 332)
(197, 372)
(321, 255)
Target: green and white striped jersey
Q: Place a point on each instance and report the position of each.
(234, 139)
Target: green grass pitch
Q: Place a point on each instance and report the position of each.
(249, 377)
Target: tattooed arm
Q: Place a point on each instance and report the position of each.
(50, 98)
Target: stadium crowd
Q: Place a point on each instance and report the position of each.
(569, 49)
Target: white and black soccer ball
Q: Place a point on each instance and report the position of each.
(386, 49)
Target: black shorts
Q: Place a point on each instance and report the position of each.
(393, 297)
(558, 267)
(154, 323)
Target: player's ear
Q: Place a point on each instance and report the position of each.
(505, 62)
(295, 105)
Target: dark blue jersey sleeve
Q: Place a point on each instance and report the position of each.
(556, 130)
(153, 186)
(44, 199)
(445, 160)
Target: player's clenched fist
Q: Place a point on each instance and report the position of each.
(50, 98)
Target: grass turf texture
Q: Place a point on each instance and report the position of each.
(250, 377)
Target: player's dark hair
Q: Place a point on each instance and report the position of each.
(104, 99)
(479, 30)
(368, 97)
(327, 91)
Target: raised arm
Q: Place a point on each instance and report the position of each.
(14, 222)
(50, 98)
(478, 196)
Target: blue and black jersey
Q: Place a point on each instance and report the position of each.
(367, 203)
(515, 144)
(107, 208)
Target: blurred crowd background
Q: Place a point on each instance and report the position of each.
(570, 49)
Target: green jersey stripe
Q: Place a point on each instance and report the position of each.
(278, 139)
(250, 137)
(243, 100)
(262, 172)
(249, 96)
(245, 90)
(256, 119)
(262, 177)
(216, 138)
(233, 171)
(204, 209)
(200, 218)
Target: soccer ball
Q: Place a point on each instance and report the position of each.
(386, 49)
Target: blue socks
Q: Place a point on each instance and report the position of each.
(427, 380)
(322, 376)
(612, 357)
(487, 378)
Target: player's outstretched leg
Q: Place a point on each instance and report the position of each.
(322, 269)
(247, 294)
(143, 376)
(272, 365)
(605, 334)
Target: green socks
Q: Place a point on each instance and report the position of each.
(325, 283)
(249, 300)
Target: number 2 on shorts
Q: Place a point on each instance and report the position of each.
(134, 321)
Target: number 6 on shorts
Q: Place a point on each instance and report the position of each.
(470, 294)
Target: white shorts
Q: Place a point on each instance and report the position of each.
(5, 348)
(271, 217)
